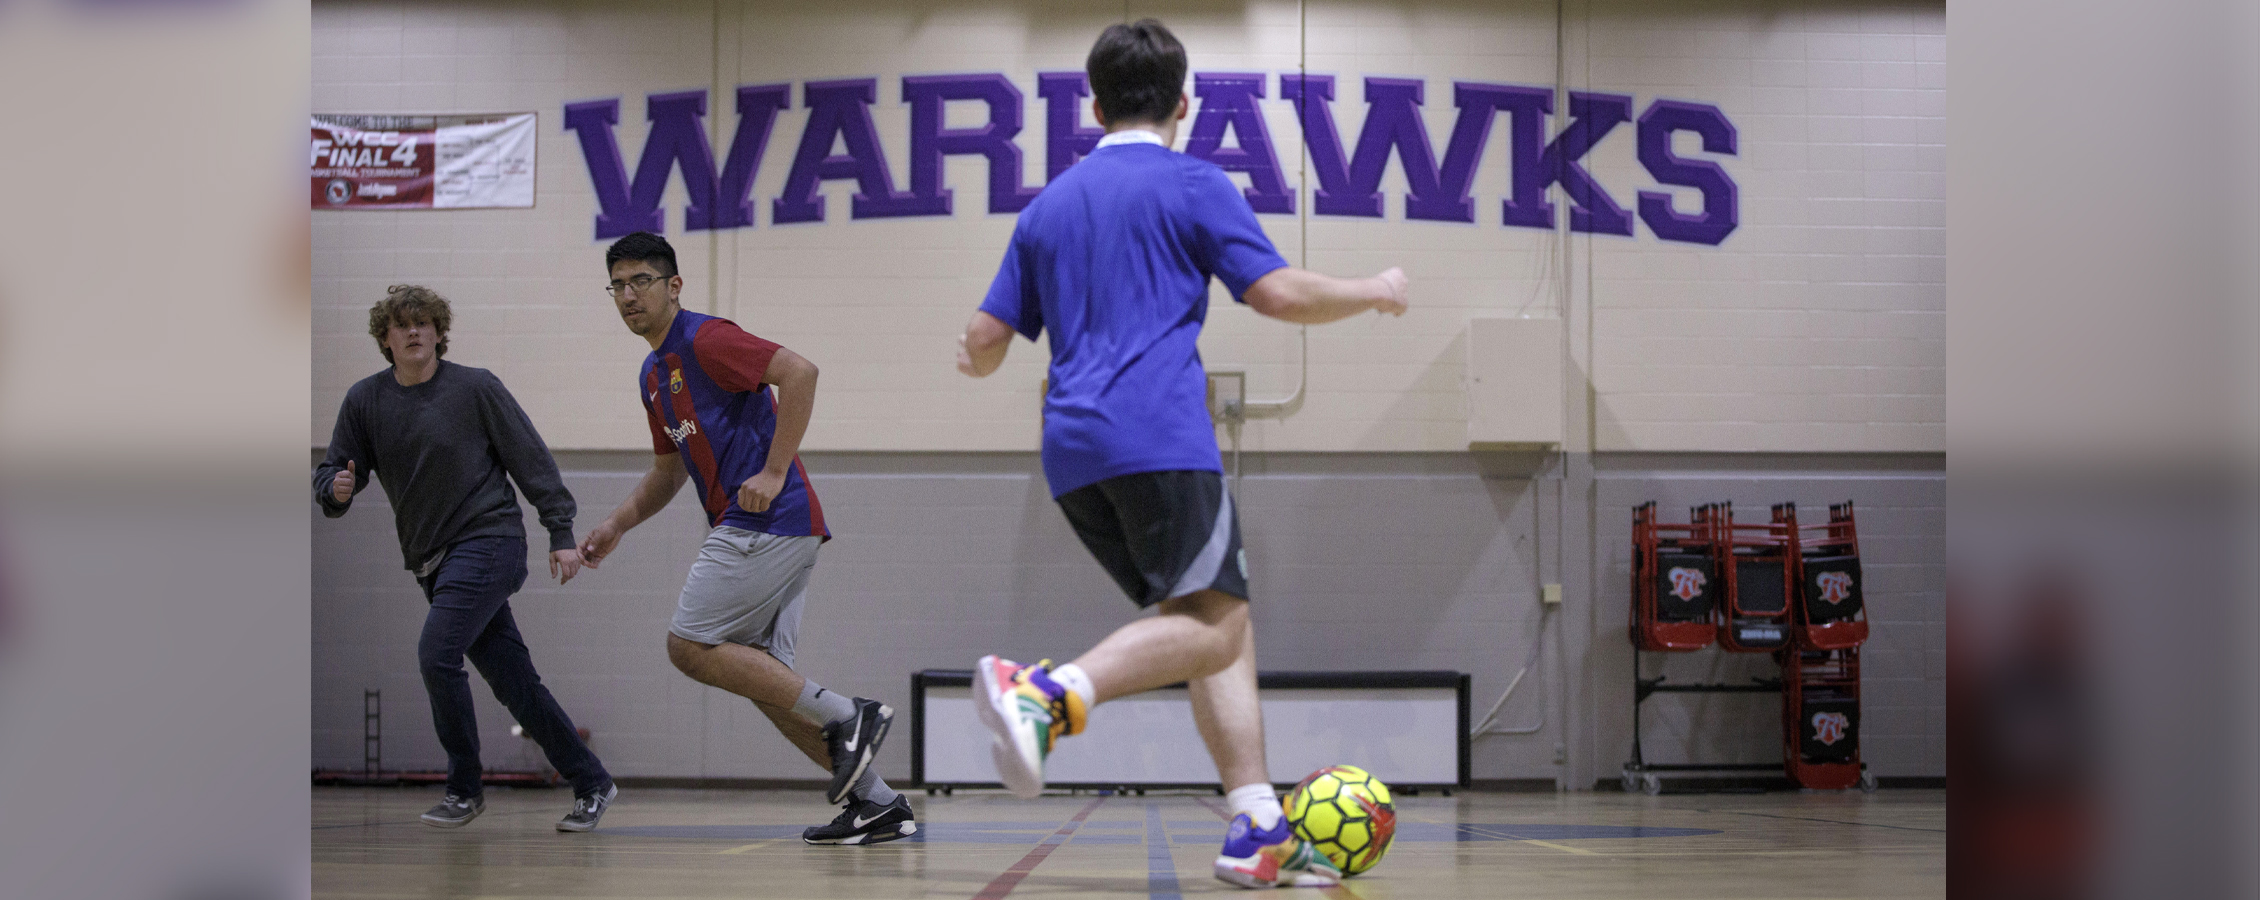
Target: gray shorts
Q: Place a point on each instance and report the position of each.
(746, 588)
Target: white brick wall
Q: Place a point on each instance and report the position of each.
(1820, 323)
(1817, 326)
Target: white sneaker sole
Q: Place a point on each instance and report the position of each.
(1228, 871)
(865, 840)
(1019, 766)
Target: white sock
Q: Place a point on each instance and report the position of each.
(1257, 800)
(1072, 677)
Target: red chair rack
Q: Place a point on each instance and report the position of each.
(1774, 587)
(1674, 583)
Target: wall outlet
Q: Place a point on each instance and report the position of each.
(1551, 594)
(1227, 395)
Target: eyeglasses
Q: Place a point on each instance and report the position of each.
(641, 283)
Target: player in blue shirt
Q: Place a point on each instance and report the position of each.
(1114, 259)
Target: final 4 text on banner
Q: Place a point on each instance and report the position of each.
(423, 162)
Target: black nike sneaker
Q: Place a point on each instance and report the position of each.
(865, 822)
(854, 742)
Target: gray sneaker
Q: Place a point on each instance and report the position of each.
(588, 809)
(454, 811)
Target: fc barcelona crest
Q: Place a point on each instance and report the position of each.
(674, 381)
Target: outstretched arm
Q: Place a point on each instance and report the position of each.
(526, 457)
(650, 496)
(1309, 298)
(980, 350)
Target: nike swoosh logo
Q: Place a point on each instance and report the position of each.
(861, 821)
(858, 735)
(654, 397)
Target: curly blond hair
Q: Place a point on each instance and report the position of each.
(406, 304)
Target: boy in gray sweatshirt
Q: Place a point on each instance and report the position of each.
(447, 440)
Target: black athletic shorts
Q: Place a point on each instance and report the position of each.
(1162, 534)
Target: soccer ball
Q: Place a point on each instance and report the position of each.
(1345, 813)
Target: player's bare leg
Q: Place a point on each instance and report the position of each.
(1190, 637)
(804, 734)
(850, 736)
(1260, 848)
(1230, 717)
(739, 669)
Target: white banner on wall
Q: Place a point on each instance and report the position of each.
(423, 162)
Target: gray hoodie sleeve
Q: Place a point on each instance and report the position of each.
(527, 460)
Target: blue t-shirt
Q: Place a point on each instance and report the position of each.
(1114, 257)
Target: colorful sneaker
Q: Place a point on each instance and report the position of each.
(1275, 858)
(853, 742)
(588, 809)
(1029, 712)
(454, 811)
(865, 822)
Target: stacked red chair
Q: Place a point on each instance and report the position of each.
(1674, 583)
(1820, 710)
(1759, 564)
(1830, 614)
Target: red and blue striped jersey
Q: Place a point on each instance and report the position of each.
(704, 398)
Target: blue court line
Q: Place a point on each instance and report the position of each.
(1832, 821)
(1157, 832)
(1428, 832)
(1161, 868)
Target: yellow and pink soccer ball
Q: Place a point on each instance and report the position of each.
(1345, 813)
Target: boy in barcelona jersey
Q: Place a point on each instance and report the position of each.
(727, 411)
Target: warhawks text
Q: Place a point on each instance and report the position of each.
(1348, 175)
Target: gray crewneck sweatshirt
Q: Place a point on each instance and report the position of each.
(442, 449)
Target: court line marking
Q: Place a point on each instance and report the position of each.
(1546, 844)
(1562, 847)
(733, 851)
(1161, 863)
(419, 821)
(1003, 884)
(1829, 821)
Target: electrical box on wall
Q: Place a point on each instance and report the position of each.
(1514, 381)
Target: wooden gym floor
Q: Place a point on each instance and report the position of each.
(658, 843)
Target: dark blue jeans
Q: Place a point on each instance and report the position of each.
(470, 615)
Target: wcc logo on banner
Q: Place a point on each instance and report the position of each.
(1348, 168)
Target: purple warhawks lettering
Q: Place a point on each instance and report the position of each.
(1545, 148)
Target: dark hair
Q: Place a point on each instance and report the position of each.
(407, 304)
(642, 246)
(1137, 71)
